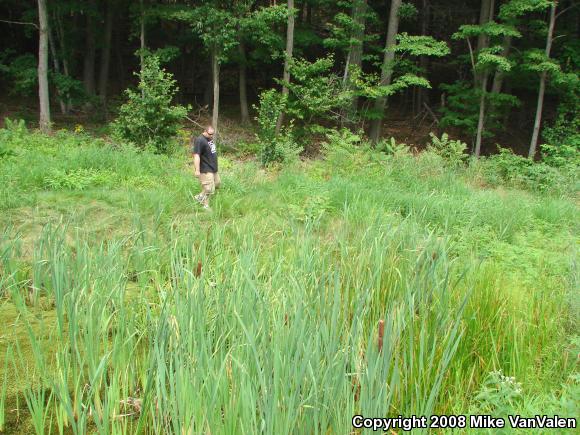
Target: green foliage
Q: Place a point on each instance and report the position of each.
(78, 179)
(502, 396)
(257, 27)
(452, 151)
(13, 131)
(513, 170)
(342, 30)
(462, 108)
(22, 72)
(491, 58)
(535, 60)
(215, 26)
(562, 147)
(408, 11)
(315, 91)
(499, 395)
(491, 29)
(148, 119)
(275, 148)
(517, 8)
(393, 148)
(421, 45)
(341, 148)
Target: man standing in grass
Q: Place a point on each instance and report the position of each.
(205, 162)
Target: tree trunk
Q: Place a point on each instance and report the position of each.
(61, 38)
(208, 89)
(142, 36)
(56, 66)
(482, 39)
(289, 50)
(119, 57)
(540, 106)
(421, 92)
(480, 123)
(106, 54)
(354, 57)
(245, 115)
(387, 69)
(90, 50)
(216, 89)
(499, 74)
(43, 67)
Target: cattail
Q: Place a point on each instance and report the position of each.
(356, 388)
(381, 332)
(198, 271)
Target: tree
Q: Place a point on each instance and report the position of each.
(255, 29)
(106, 53)
(347, 36)
(216, 26)
(542, 88)
(485, 61)
(43, 93)
(387, 69)
(289, 50)
(90, 48)
(148, 119)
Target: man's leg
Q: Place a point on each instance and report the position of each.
(217, 180)
(207, 188)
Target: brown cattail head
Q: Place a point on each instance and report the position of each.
(355, 388)
(198, 271)
(381, 332)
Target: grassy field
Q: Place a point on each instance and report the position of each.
(360, 283)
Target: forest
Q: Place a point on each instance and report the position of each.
(393, 232)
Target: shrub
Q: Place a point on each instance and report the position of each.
(12, 133)
(147, 119)
(392, 148)
(452, 151)
(280, 147)
(78, 179)
(506, 167)
(562, 140)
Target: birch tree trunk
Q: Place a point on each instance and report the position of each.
(480, 123)
(542, 90)
(43, 94)
(289, 50)
(387, 69)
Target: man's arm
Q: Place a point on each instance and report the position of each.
(196, 151)
(196, 164)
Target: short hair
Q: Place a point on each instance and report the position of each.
(209, 127)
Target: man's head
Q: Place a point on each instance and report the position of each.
(209, 132)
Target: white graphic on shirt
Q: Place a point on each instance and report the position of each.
(212, 147)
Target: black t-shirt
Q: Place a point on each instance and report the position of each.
(207, 151)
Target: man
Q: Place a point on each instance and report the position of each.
(205, 163)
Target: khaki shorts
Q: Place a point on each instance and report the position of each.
(209, 182)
